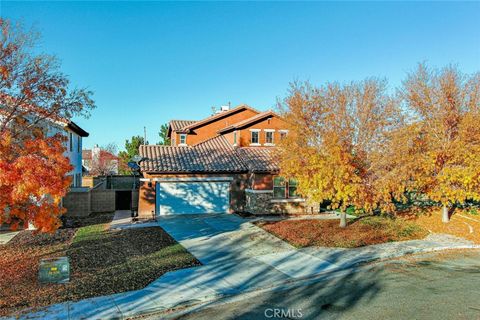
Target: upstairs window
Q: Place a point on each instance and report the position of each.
(79, 144)
(283, 188)
(269, 137)
(254, 137)
(283, 134)
(70, 141)
(183, 139)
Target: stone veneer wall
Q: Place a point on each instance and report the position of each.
(262, 202)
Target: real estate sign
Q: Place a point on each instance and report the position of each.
(54, 270)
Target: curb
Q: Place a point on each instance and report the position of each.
(218, 299)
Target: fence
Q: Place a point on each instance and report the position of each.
(116, 182)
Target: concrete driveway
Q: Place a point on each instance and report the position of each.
(214, 238)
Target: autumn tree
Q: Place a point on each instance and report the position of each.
(436, 155)
(334, 132)
(104, 161)
(33, 94)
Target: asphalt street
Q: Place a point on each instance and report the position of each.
(430, 286)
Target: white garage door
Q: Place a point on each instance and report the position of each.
(192, 197)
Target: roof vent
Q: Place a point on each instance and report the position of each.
(224, 108)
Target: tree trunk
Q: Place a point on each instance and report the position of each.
(445, 216)
(343, 219)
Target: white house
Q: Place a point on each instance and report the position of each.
(73, 134)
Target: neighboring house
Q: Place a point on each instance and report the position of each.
(73, 143)
(223, 163)
(99, 162)
(74, 135)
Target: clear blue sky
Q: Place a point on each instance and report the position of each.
(149, 62)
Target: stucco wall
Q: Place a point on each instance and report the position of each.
(274, 123)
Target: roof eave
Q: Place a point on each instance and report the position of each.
(76, 128)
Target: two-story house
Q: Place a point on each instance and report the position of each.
(74, 135)
(73, 141)
(223, 163)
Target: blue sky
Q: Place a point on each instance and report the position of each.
(149, 62)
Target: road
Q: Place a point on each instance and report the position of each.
(431, 286)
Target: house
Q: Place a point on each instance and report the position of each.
(73, 140)
(99, 162)
(223, 163)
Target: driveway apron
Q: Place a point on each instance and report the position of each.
(221, 237)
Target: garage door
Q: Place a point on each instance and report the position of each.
(192, 197)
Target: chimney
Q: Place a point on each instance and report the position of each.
(224, 108)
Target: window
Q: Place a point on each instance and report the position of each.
(269, 137)
(70, 140)
(254, 137)
(292, 188)
(79, 144)
(279, 187)
(283, 134)
(283, 188)
(183, 139)
(234, 138)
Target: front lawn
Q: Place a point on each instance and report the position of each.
(102, 262)
(327, 233)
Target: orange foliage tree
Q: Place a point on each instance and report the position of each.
(336, 132)
(33, 95)
(436, 155)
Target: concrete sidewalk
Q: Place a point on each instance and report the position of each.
(207, 283)
(6, 236)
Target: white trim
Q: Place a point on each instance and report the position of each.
(235, 138)
(258, 191)
(283, 131)
(183, 145)
(255, 130)
(269, 130)
(173, 179)
(287, 200)
(182, 135)
(269, 144)
(255, 144)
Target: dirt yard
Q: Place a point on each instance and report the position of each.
(327, 233)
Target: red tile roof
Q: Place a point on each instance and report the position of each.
(212, 155)
(245, 122)
(218, 116)
(177, 125)
(259, 159)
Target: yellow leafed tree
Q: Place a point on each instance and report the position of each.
(437, 153)
(336, 132)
